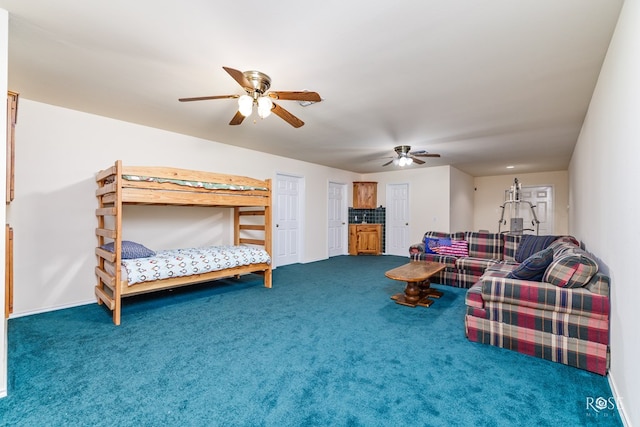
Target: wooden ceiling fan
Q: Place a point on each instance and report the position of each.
(404, 156)
(256, 85)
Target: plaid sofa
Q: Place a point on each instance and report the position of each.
(554, 319)
(485, 250)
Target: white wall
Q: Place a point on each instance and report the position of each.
(489, 196)
(461, 203)
(430, 197)
(59, 151)
(604, 203)
(4, 40)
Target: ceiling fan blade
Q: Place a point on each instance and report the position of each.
(286, 116)
(416, 160)
(205, 98)
(237, 119)
(388, 163)
(424, 154)
(296, 96)
(239, 77)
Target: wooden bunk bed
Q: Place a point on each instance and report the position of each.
(121, 185)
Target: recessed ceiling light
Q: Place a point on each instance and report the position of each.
(510, 167)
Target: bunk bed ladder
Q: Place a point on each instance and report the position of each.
(265, 228)
(109, 216)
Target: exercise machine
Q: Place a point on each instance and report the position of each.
(513, 203)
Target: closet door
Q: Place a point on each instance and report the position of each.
(287, 237)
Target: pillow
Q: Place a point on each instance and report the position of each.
(131, 250)
(530, 244)
(572, 270)
(534, 267)
(457, 248)
(431, 244)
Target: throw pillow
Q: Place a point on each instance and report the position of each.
(130, 250)
(530, 244)
(457, 248)
(430, 244)
(572, 270)
(534, 267)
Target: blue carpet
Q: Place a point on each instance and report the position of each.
(325, 347)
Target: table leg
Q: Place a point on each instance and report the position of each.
(411, 296)
(427, 291)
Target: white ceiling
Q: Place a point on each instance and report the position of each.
(484, 83)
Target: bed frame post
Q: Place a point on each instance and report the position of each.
(117, 293)
(268, 230)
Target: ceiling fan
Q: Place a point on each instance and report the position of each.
(256, 85)
(405, 156)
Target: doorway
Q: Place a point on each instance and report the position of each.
(397, 219)
(337, 215)
(287, 222)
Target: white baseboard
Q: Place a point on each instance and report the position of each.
(616, 395)
(48, 309)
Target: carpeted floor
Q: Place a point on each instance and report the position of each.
(324, 347)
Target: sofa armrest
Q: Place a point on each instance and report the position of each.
(545, 296)
(416, 248)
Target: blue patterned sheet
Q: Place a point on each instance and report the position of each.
(190, 261)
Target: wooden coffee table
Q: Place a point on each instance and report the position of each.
(418, 289)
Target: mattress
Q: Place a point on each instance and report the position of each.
(187, 262)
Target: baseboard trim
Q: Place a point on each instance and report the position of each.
(48, 309)
(616, 395)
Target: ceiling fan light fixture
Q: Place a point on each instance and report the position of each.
(264, 106)
(408, 161)
(245, 105)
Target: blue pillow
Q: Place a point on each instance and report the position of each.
(529, 245)
(131, 250)
(533, 268)
(431, 244)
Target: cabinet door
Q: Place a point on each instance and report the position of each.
(365, 195)
(368, 239)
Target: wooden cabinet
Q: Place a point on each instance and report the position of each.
(365, 194)
(12, 118)
(365, 239)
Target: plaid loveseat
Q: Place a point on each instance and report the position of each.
(564, 317)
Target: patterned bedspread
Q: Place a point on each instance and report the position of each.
(190, 261)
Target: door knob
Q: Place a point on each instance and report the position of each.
(277, 225)
(406, 223)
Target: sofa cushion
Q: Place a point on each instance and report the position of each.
(485, 245)
(530, 244)
(478, 265)
(534, 267)
(448, 261)
(511, 242)
(562, 243)
(570, 270)
(544, 296)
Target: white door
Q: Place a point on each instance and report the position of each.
(541, 198)
(337, 214)
(287, 220)
(397, 219)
